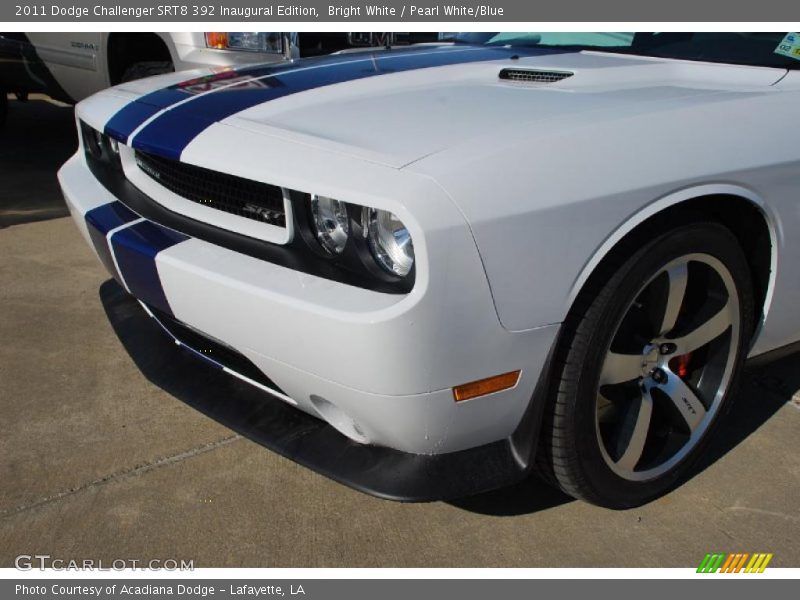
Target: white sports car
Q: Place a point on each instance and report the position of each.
(464, 260)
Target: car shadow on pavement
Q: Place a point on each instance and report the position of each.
(763, 390)
(529, 496)
(37, 139)
(249, 412)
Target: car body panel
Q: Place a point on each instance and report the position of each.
(588, 179)
(511, 193)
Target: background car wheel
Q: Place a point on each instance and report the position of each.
(140, 70)
(645, 367)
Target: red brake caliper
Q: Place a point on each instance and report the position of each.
(681, 364)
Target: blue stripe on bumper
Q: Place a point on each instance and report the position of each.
(135, 249)
(100, 221)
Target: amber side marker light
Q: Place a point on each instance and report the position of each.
(217, 39)
(485, 386)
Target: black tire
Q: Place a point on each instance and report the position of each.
(3, 108)
(140, 70)
(570, 453)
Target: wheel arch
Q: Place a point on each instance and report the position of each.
(738, 208)
(126, 48)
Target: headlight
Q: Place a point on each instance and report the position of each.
(244, 40)
(372, 246)
(331, 223)
(389, 241)
(99, 147)
(94, 142)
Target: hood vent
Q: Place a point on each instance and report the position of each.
(533, 75)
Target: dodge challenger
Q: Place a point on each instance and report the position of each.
(467, 261)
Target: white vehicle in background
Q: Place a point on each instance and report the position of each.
(69, 66)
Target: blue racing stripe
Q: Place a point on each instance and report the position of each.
(124, 122)
(99, 222)
(169, 133)
(129, 117)
(135, 249)
(110, 216)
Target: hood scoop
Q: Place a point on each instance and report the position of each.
(533, 75)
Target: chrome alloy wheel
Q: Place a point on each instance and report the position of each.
(668, 367)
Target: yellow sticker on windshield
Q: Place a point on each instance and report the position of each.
(790, 46)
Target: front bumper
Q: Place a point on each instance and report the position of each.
(309, 441)
(378, 368)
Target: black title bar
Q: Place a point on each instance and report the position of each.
(397, 11)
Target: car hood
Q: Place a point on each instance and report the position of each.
(396, 107)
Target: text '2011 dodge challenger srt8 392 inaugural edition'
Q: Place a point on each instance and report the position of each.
(468, 259)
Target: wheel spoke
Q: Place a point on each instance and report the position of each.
(685, 400)
(707, 332)
(678, 277)
(638, 436)
(620, 368)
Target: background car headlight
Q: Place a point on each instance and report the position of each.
(331, 223)
(389, 241)
(245, 40)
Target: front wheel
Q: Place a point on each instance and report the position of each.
(645, 368)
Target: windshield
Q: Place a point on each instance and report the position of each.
(779, 50)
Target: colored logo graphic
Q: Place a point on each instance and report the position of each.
(734, 563)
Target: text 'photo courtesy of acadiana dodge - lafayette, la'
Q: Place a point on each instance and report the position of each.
(341, 11)
(153, 589)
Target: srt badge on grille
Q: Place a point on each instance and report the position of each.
(260, 212)
(147, 168)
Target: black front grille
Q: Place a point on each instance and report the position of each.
(235, 195)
